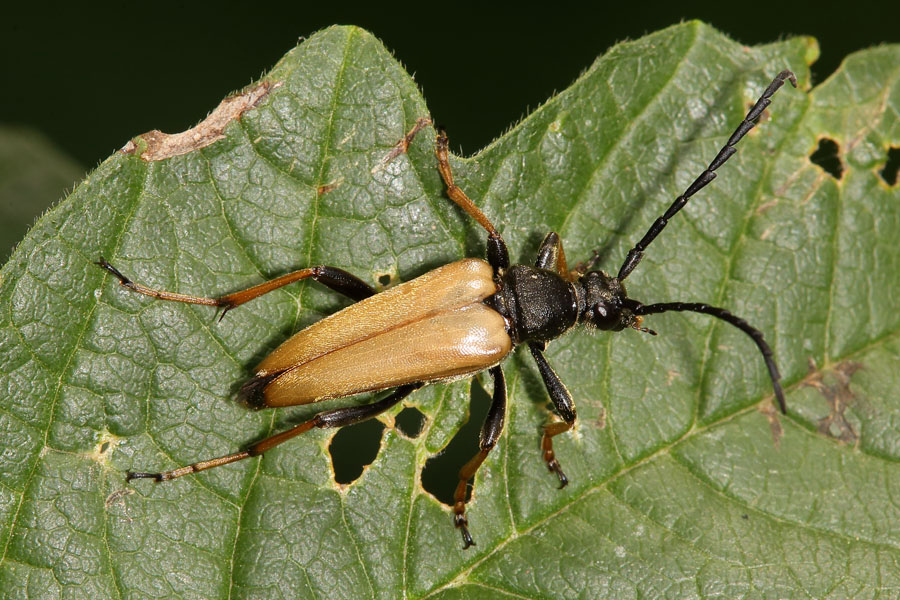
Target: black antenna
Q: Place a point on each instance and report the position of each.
(721, 313)
(749, 122)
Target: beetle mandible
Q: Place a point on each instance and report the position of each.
(453, 322)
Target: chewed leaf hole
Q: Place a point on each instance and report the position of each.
(889, 172)
(384, 279)
(441, 472)
(410, 421)
(827, 157)
(353, 448)
(103, 449)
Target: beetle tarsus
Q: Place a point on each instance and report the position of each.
(553, 467)
(463, 524)
(114, 271)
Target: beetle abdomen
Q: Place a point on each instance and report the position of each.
(433, 327)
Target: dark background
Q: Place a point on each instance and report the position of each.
(92, 80)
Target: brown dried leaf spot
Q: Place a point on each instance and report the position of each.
(402, 146)
(329, 187)
(775, 427)
(161, 145)
(118, 497)
(839, 397)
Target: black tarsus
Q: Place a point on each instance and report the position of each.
(122, 279)
(635, 254)
(132, 475)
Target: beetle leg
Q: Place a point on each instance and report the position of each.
(490, 433)
(551, 256)
(337, 279)
(562, 400)
(329, 418)
(442, 151)
(498, 255)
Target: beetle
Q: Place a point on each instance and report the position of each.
(453, 322)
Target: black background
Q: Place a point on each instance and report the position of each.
(91, 79)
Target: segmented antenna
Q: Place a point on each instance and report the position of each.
(635, 254)
(721, 313)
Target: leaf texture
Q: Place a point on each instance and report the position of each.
(684, 482)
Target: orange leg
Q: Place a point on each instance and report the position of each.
(337, 279)
(490, 433)
(455, 193)
(330, 418)
(552, 256)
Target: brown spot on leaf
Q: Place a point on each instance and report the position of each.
(672, 375)
(117, 497)
(771, 413)
(324, 189)
(765, 206)
(156, 145)
(403, 145)
(839, 396)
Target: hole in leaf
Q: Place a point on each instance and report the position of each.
(827, 156)
(410, 421)
(889, 172)
(441, 472)
(353, 448)
(384, 279)
(104, 447)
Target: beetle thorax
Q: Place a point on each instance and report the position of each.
(538, 304)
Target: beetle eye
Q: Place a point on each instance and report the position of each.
(606, 317)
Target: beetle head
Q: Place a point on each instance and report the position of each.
(606, 305)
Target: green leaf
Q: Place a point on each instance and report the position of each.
(684, 482)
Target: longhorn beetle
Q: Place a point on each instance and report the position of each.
(454, 322)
